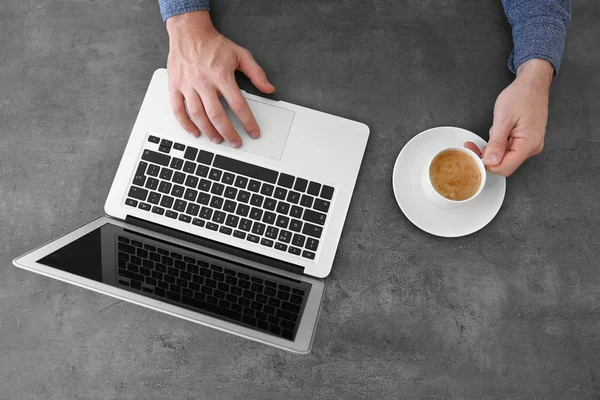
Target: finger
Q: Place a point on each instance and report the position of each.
(198, 115)
(218, 118)
(178, 107)
(473, 147)
(519, 151)
(253, 71)
(499, 133)
(240, 107)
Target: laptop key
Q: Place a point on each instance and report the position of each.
(266, 242)
(269, 218)
(158, 210)
(191, 181)
(245, 225)
(280, 193)
(282, 221)
(285, 236)
(294, 250)
(211, 226)
(230, 192)
(166, 201)
(185, 218)
(321, 205)
(154, 198)
(137, 193)
(254, 186)
(256, 213)
(314, 188)
(229, 206)
(156, 158)
(239, 234)
(272, 232)
(177, 191)
(286, 180)
(228, 178)
(206, 213)
(219, 217)
(205, 157)
(296, 212)
(293, 197)
(202, 170)
(252, 238)
(242, 209)
(178, 177)
(164, 187)
(308, 254)
(204, 185)
(144, 206)
(171, 214)
(139, 180)
(300, 184)
(256, 200)
(267, 189)
(270, 204)
(241, 182)
(203, 198)
(314, 217)
(243, 196)
(232, 220)
(246, 169)
(215, 174)
(312, 230)
(153, 170)
(166, 173)
(198, 222)
(192, 209)
(306, 201)
(153, 139)
(258, 228)
(312, 244)
(189, 167)
(176, 163)
(283, 207)
(190, 194)
(217, 188)
(216, 202)
(298, 240)
(280, 246)
(225, 230)
(327, 192)
(152, 183)
(190, 153)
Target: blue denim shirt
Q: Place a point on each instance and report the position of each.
(539, 27)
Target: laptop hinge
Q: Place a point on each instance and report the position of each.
(248, 255)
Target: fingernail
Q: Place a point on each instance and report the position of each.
(217, 140)
(491, 159)
(254, 134)
(236, 144)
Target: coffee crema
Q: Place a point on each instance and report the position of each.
(455, 175)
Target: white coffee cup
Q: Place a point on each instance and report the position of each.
(437, 198)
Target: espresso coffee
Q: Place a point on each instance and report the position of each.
(455, 175)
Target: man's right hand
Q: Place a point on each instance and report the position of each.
(201, 68)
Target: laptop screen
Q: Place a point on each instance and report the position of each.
(186, 278)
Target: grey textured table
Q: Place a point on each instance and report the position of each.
(512, 311)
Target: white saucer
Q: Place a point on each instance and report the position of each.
(406, 181)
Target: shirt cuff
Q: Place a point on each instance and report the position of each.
(539, 37)
(170, 8)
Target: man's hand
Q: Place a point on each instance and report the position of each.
(520, 116)
(201, 68)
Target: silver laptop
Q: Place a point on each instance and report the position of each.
(235, 239)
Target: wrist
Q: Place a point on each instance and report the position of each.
(536, 71)
(197, 22)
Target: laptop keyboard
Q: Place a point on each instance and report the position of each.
(258, 301)
(231, 197)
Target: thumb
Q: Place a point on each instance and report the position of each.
(253, 71)
(496, 148)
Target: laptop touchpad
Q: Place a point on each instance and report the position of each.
(274, 122)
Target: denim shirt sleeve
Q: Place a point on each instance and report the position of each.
(539, 30)
(169, 8)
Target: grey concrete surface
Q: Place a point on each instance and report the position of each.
(511, 312)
